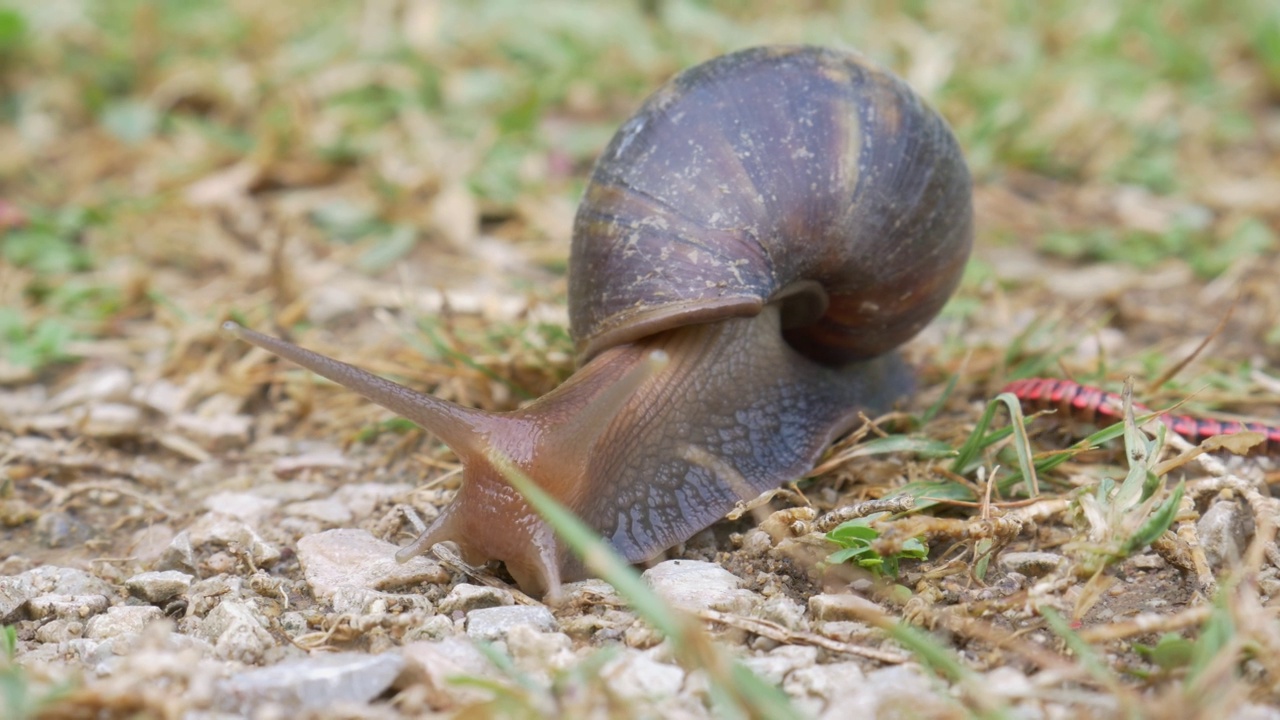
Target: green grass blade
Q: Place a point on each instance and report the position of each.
(734, 683)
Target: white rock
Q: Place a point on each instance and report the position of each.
(122, 621)
(162, 396)
(693, 585)
(1010, 683)
(813, 689)
(635, 676)
(329, 511)
(220, 531)
(465, 597)
(110, 421)
(216, 433)
(491, 624)
(1224, 530)
(777, 664)
(59, 630)
(179, 555)
(248, 507)
(237, 631)
(832, 607)
(314, 683)
(1032, 564)
(347, 558)
(71, 607)
(540, 653)
(16, 590)
(327, 459)
(149, 543)
(362, 498)
(107, 384)
(157, 587)
(432, 664)
(896, 689)
(784, 611)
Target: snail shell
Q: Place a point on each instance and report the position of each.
(798, 175)
(751, 245)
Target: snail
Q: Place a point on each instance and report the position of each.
(751, 246)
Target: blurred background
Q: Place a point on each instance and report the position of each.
(296, 163)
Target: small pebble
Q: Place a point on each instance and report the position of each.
(121, 621)
(315, 683)
(693, 585)
(492, 624)
(157, 587)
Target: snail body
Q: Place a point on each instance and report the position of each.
(751, 246)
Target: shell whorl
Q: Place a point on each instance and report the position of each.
(797, 175)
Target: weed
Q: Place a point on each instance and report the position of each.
(856, 539)
(21, 695)
(733, 688)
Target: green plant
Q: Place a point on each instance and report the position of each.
(35, 344)
(1125, 518)
(856, 539)
(735, 690)
(21, 695)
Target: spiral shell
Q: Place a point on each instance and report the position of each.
(797, 175)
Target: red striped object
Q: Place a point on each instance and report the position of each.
(1091, 404)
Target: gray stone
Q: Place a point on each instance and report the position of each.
(636, 677)
(237, 631)
(328, 511)
(73, 651)
(335, 561)
(122, 621)
(436, 627)
(815, 689)
(60, 630)
(363, 498)
(215, 531)
(157, 587)
(66, 607)
(900, 688)
(16, 590)
(432, 665)
(1253, 711)
(832, 607)
(1224, 530)
(784, 611)
(539, 653)
(314, 683)
(110, 421)
(62, 530)
(244, 506)
(1032, 564)
(323, 459)
(774, 666)
(216, 433)
(106, 384)
(693, 585)
(179, 555)
(491, 624)
(464, 598)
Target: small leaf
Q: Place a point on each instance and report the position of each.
(853, 530)
(1172, 652)
(923, 447)
(388, 247)
(847, 554)
(131, 120)
(1155, 525)
(1240, 443)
